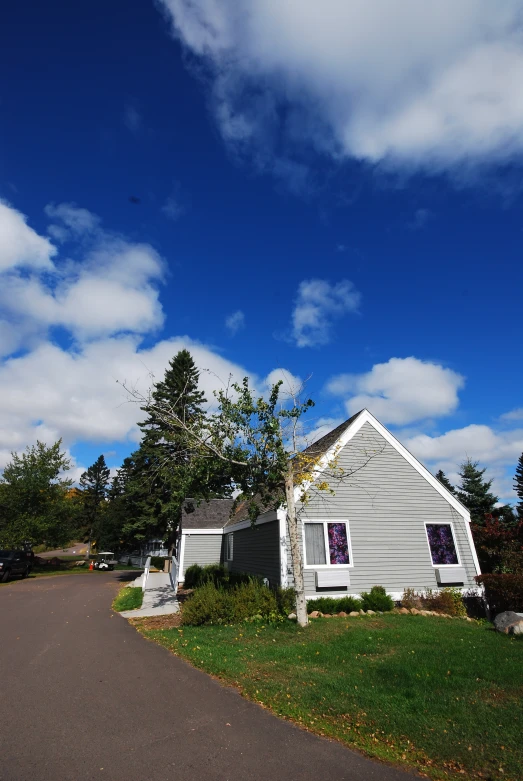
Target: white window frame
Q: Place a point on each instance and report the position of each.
(229, 546)
(325, 521)
(443, 523)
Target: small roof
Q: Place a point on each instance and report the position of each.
(213, 514)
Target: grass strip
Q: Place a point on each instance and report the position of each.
(443, 696)
(128, 598)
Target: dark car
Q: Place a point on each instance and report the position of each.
(14, 562)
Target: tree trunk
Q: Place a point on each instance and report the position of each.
(297, 563)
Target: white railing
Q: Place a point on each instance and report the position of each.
(174, 573)
(146, 572)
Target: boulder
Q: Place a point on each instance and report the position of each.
(342, 614)
(354, 613)
(327, 615)
(404, 611)
(362, 612)
(425, 613)
(315, 614)
(292, 616)
(415, 611)
(371, 612)
(509, 622)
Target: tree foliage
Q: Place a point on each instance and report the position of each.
(92, 496)
(35, 500)
(442, 477)
(474, 492)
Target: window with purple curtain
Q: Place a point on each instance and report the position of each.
(338, 543)
(441, 543)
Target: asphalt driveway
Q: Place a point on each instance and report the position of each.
(84, 696)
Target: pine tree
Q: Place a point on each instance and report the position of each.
(474, 492)
(158, 477)
(93, 493)
(442, 477)
(518, 485)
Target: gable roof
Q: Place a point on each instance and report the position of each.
(325, 443)
(208, 515)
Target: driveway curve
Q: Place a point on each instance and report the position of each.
(84, 696)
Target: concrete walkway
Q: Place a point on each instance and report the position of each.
(159, 599)
(86, 698)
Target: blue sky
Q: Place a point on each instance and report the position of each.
(333, 192)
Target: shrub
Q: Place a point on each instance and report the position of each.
(196, 576)
(212, 605)
(192, 576)
(411, 598)
(503, 592)
(377, 599)
(334, 604)
(448, 600)
(286, 599)
(158, 562)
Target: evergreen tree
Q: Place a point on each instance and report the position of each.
(474, 492)
(158, 476)
(92, 497)
(442, 477)
(518, 485)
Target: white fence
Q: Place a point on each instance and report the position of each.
(146, 572)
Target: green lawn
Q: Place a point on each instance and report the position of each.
(440, 695)
(128, 598)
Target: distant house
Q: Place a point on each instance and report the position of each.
(390, 522)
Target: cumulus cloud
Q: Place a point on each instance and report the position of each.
(496, 450)
(20, 245)
(112, 288)
(235, 322)
(292, 385)
(318, 303)
(401, 391)
(515, 414)
(423, 85)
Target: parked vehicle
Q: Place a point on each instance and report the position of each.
(14, 563)
(105, 561)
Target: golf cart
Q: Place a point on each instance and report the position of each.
(105, 561)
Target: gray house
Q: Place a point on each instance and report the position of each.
(386, 520)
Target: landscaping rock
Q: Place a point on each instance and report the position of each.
(342, 614)
(425, 613)
(404, 611)
(362, 612)
(354, 613)
(415, 611)
(509, 623)
(315, 614)
(327, 615)
(371, 613)
(292, 616)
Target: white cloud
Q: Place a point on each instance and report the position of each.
(292, 385)
(113, 288)
(433, 85)
(132, 119)
(515, 414)
(497, 450)
(235, 322)
(420, 219)
(400, 391)
(319, 303)
(173, 209)
(20, 245)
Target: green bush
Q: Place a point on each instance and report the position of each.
(192, 576)
(447, 600)
(333, 605)
(286, 599)
(196, 576)
(212, 605)
(377, 599)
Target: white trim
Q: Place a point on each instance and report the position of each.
(366, 417)
(443, 523)
(181, 569)
(188, 532)
(472, 545)
(267, 517)
(282, 520)
(325, 521)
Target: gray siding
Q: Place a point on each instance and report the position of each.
(202, 549)
(257, 550)
(387, 503)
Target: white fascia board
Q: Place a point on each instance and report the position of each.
(271, 515)
(188, 532)
(366, 417)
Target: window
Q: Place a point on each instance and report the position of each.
(442, 544)
(229, 546)
(327, 544)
